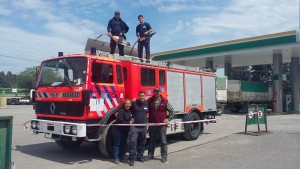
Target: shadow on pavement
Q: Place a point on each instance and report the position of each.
(84, 154)
(254, 133)
(50, 151)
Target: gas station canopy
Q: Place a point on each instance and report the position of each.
(257, 50)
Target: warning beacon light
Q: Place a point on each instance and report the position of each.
(93, 51)
(60, 54)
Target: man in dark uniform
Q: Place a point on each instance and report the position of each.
(143, 29)
(117, 27)
(158, 113)
(137, 134)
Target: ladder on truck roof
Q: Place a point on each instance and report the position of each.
(103, 49)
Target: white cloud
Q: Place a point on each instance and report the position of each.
(62, 36)
(51, 26)
(254, 17)
(18, 43)
(179, 27)
(4, 11)
(175, 5)
(53, 29)
(31, 4)
(80, 29)
(239, 19)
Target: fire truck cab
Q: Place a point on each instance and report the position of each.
(77, 95)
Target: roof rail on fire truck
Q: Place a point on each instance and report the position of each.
(103, 48)
(137, 60)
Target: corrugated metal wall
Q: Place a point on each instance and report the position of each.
(209, 92)
(193, 90)
(175, 90)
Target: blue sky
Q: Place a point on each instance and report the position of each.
(35, 30)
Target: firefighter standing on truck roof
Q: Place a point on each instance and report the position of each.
(158, 107)
(143, 29)
(117, 27)
(137, 134)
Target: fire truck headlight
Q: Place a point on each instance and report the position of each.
(67, 129)
(38, 125)
(74, 130)
(33, 124)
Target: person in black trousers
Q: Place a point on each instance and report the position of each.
(120, 133)
(137, 134)
(160, 111)
(143, 30)
(117, 27)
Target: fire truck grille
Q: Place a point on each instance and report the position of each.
(60, 108)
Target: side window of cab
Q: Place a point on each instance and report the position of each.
(102, 73)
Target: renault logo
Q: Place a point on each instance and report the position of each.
(52, 108)
(54, 94)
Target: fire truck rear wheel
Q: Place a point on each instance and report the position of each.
(68, 143)
(106, 142)
(192, 130)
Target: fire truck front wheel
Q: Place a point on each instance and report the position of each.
(68, 143)
(192, 130)
(105, 143)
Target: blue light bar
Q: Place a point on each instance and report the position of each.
(60, 54)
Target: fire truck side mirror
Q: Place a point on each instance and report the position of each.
(32, 96)
(85, 97)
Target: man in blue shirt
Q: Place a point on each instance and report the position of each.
(117, 27)
(137, 134)
(143, 31)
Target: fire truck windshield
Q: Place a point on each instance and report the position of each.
(63, 72)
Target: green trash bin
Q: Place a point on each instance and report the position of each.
(5, 141)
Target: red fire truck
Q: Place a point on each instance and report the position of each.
(76, 96)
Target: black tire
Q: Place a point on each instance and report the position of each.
(68, 143)
(14, 102)
(220, 109)
(192, 130)
(106, 142)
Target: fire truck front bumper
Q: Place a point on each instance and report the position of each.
(58, 128)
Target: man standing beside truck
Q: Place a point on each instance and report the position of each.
(158, 108)
(137, 134)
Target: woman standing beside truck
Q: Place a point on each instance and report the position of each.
(120, 133)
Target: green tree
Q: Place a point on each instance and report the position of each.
(2, 79)
(261, 73)
(26, 79)
(7, 80)
(241, 73)
(11, 79)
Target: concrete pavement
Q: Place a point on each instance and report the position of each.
(222, 145)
